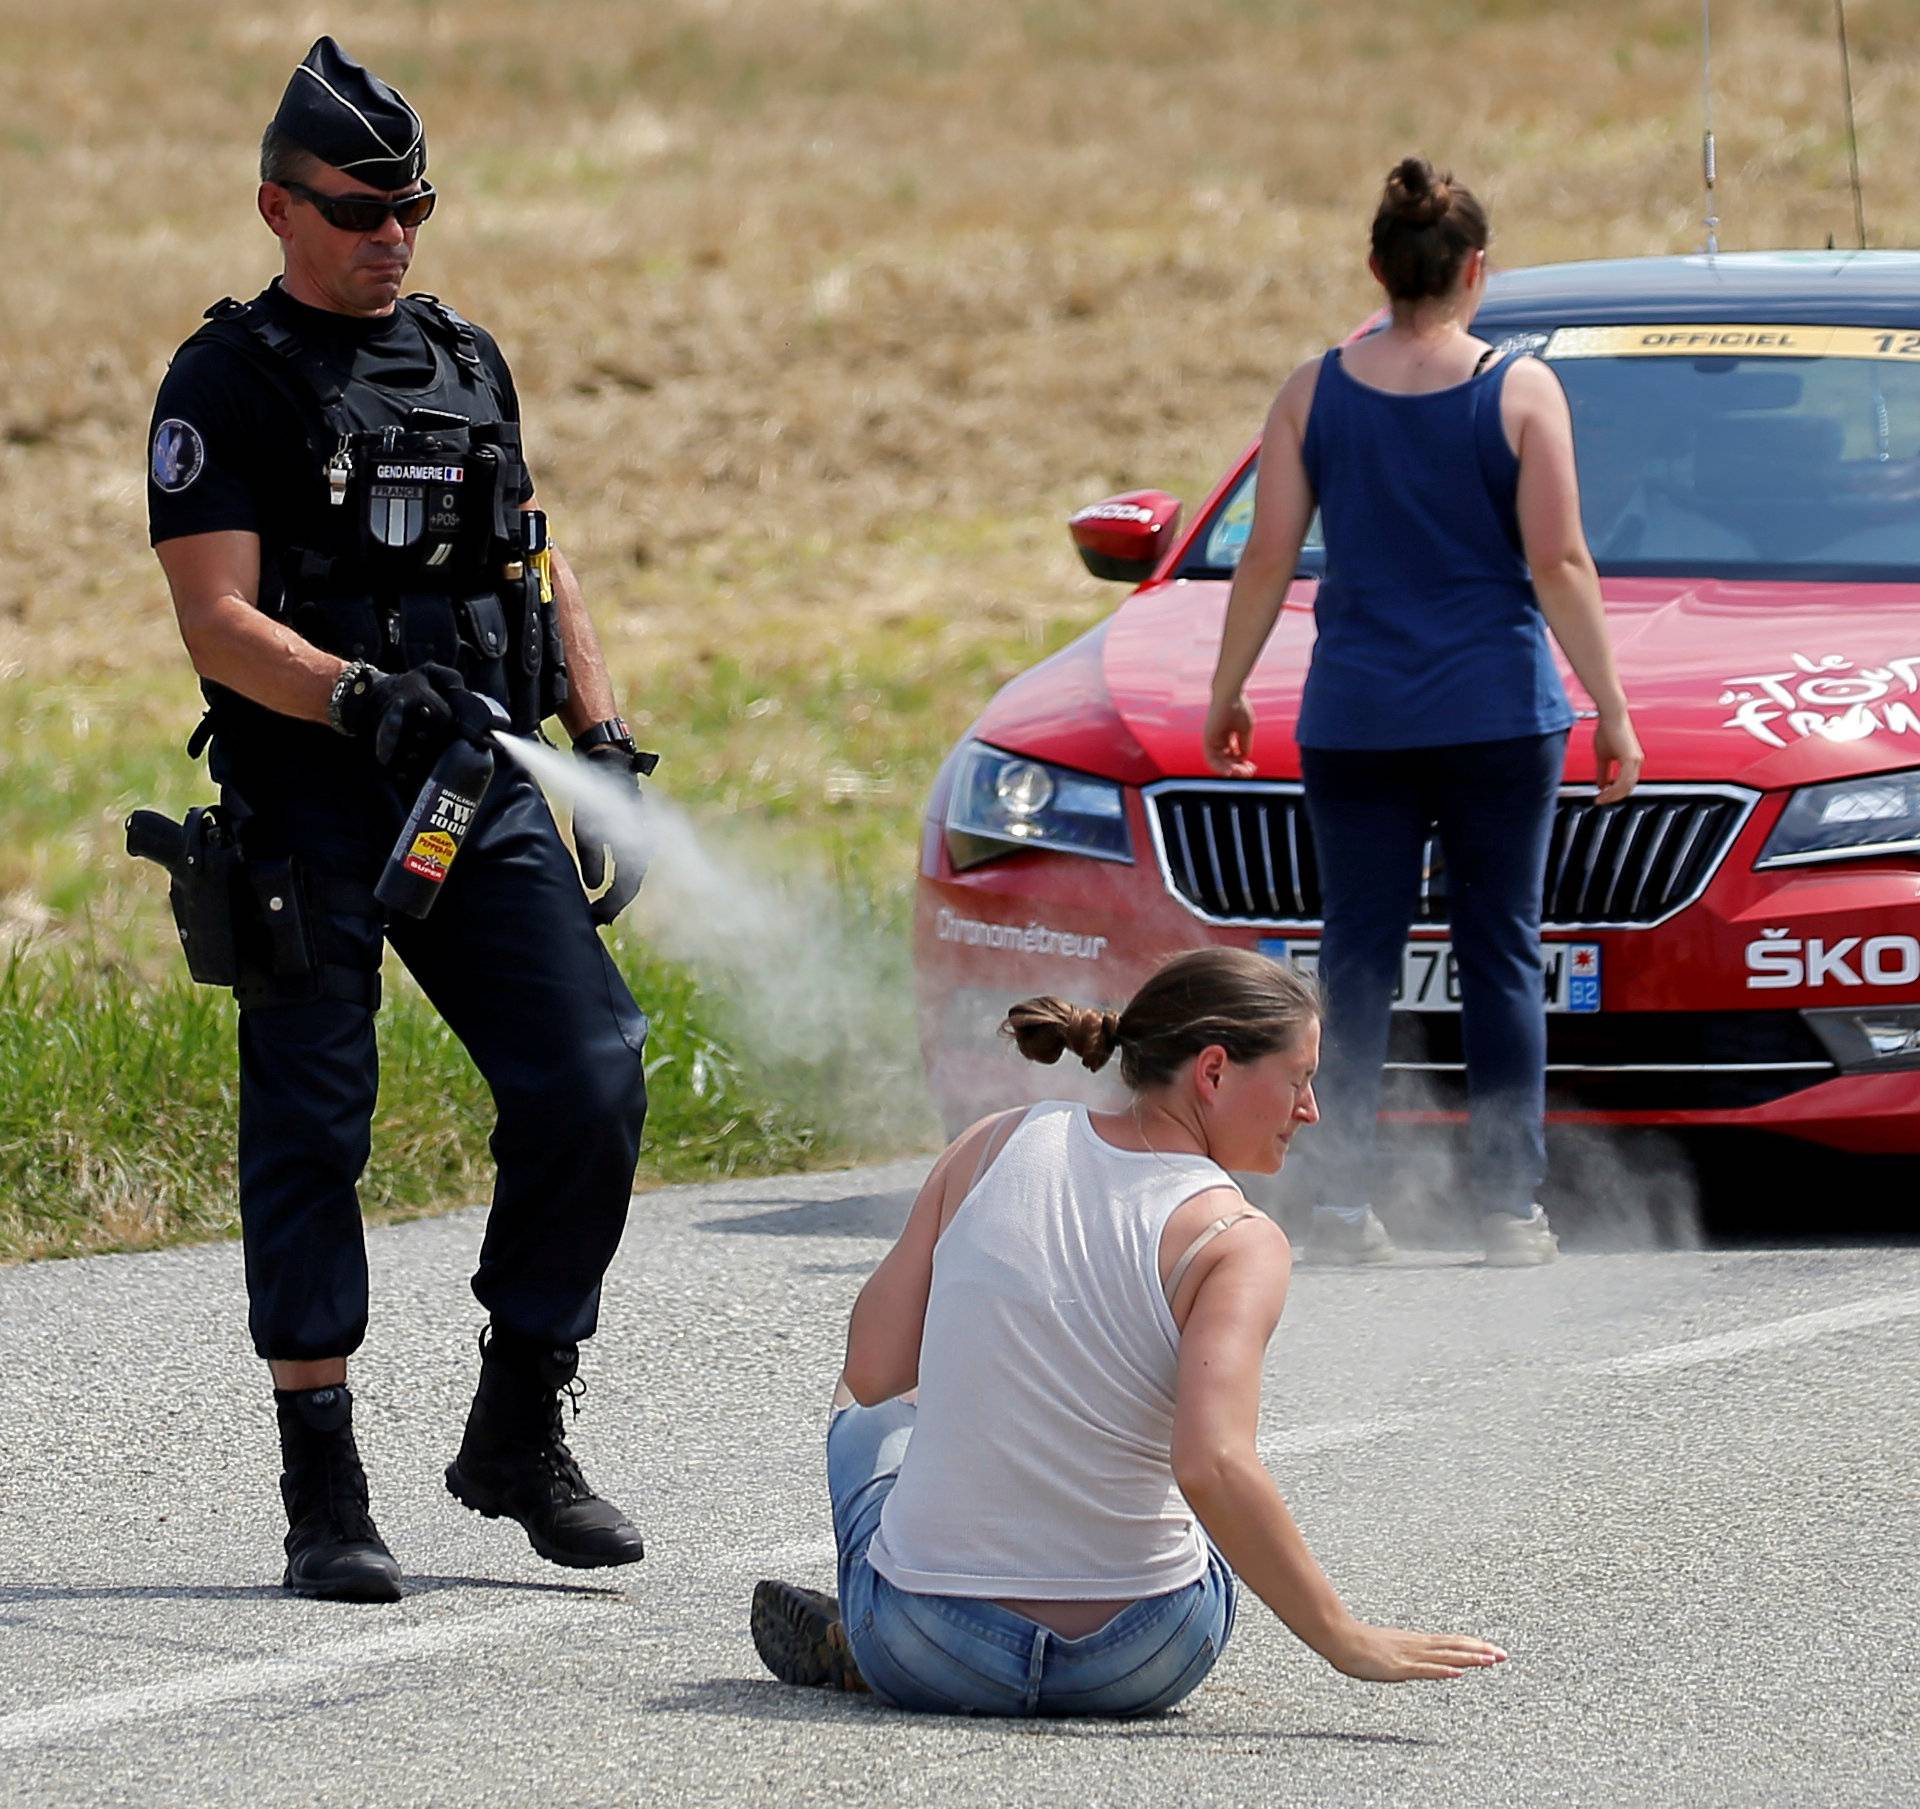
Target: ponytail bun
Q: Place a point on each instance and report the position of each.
(1415, 194)
(1045, 1028)
(1424, 229)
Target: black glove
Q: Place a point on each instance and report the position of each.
(411, 716)
(609, 824)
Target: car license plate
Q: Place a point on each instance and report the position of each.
(1430, 975)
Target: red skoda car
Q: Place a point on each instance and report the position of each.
(1737, 945)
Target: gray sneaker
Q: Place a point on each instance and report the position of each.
(1514, 1243)
(1336, 1242)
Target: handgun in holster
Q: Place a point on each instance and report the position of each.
(241, 922)
(202, 861)
(250, 924)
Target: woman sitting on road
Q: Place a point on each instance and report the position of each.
(1083, 1301)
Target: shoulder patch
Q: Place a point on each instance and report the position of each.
(179, 455)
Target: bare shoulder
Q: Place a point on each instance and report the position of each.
(1532, 381)
(975, 1138)
(1532, 403)
(1295, 400)
(1259, 1239)
(1255, 1240)
(1303, 376)
(953, 1174)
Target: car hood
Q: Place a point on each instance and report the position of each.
(1761, 684)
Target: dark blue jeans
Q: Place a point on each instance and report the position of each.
(1492, 803)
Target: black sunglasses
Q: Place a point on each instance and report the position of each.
(366, 213)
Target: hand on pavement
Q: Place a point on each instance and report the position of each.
(1393, 1655)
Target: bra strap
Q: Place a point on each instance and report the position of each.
(1179, 1271)
(997, 1140)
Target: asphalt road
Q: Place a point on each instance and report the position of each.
(1681, 1488)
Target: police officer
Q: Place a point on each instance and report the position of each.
(338, 500)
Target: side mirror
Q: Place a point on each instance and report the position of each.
(1125, 537)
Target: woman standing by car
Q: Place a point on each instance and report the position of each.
(1444, 477)
(1083, 1301)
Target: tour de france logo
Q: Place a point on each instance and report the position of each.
(1829, 697)
(178, 455)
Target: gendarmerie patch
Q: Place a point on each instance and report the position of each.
(408, 498)
(397, 513)
(179, 455)
(420, 474)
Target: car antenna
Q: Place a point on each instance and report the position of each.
(1706, 115)
(1853, 138)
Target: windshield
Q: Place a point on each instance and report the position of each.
(1720, 451)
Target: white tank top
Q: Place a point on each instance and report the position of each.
(1041, 1460)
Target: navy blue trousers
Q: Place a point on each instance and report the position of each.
(511, 960)
(1492, 803)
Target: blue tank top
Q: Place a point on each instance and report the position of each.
(1429, 631)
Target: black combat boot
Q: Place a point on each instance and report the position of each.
(334, 1550)
(514, 1459)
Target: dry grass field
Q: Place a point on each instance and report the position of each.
(824, 314)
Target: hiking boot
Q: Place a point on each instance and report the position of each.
(334, 1551)
(1335, 1241)
(801, 1638)
(1514, 1243)
(514, 1462)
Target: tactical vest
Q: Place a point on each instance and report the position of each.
(421, 551)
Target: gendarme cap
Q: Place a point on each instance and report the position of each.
(347, 116)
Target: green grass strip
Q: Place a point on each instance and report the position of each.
(117, 1119)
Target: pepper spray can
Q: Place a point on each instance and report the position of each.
(440, 819)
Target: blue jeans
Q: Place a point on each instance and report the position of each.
(957, 1655)
(1493, 803)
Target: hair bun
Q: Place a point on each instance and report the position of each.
(1093, 1036)
(1045, 1028)
(1416, 194)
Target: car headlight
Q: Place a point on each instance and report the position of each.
(1003, 803)
(1847, 819)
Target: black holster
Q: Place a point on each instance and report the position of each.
(537, 682)
(202, 861)
(249, 924)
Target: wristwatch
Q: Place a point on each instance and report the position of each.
(354, 678)
(614, 733)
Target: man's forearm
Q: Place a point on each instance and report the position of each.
(589, 689)
(233, 644)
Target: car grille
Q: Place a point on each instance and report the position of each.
(1244, 854)
(1622, 1061)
